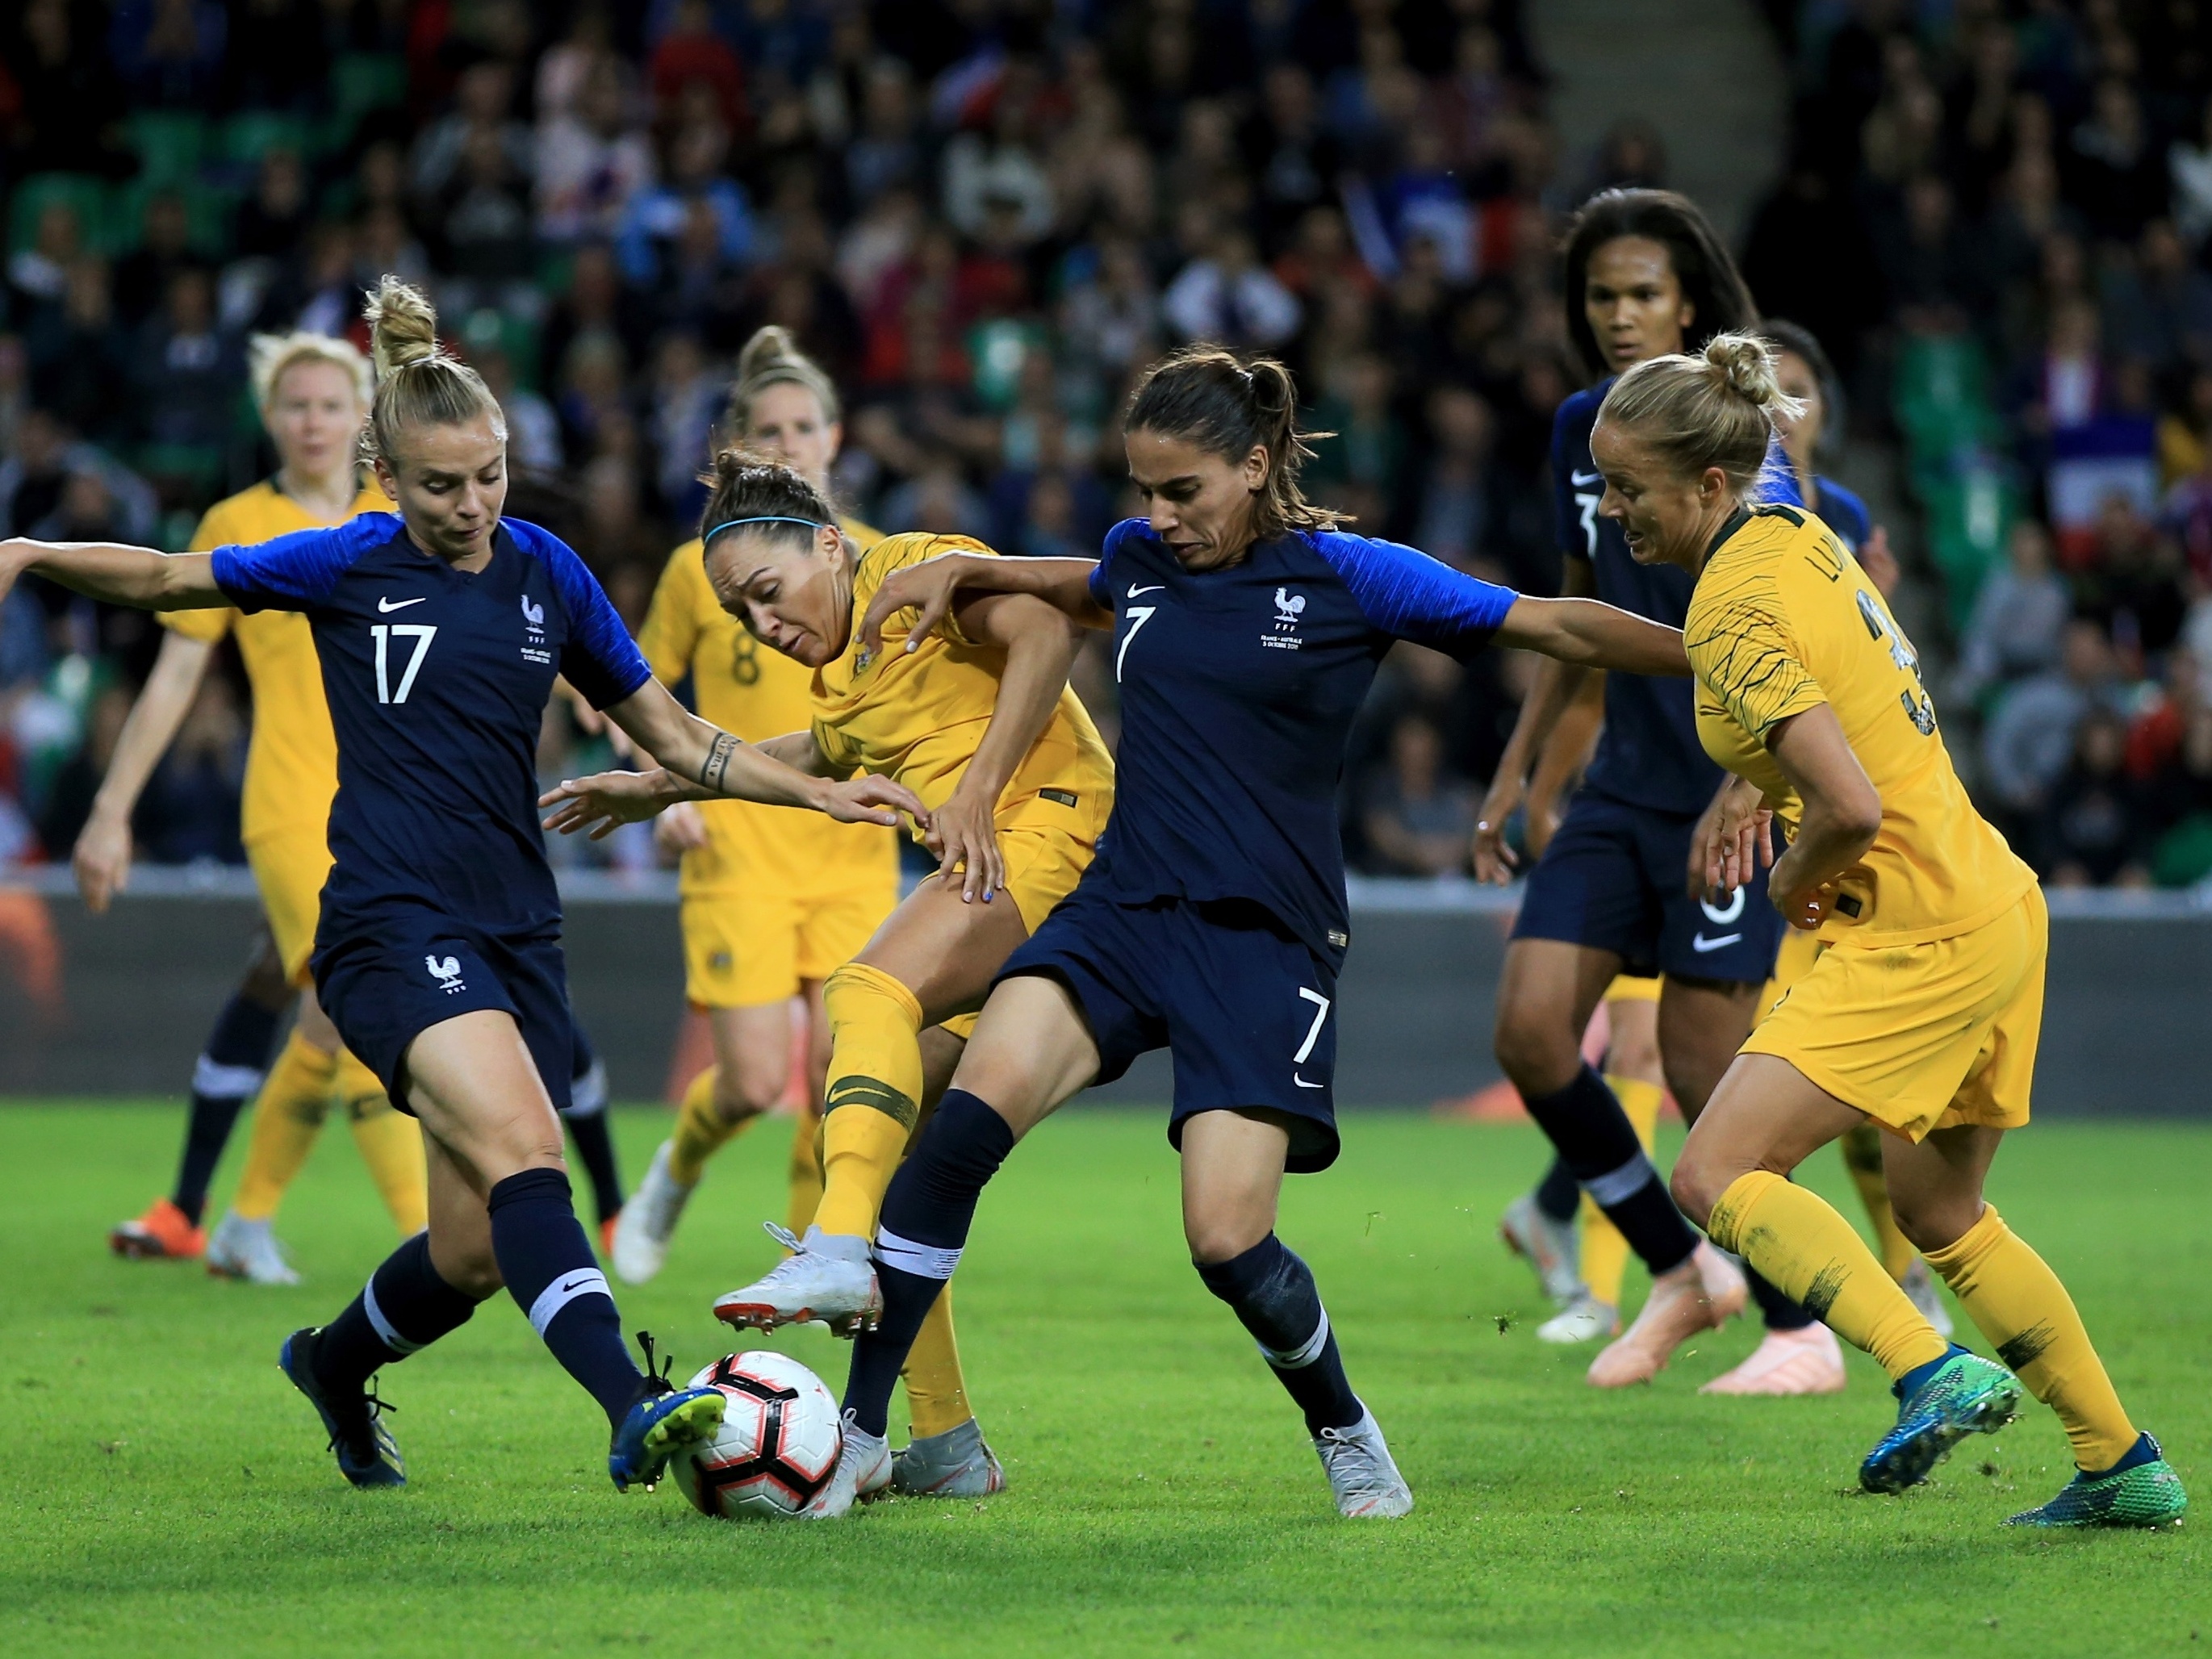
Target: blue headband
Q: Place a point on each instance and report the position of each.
(765, 518)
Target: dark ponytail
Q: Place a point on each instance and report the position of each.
(1202, 395)
(748, 485)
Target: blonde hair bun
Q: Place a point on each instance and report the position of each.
(268, 356)
(769, 347)
(402, 325)
(772, 357)
(1747, 364)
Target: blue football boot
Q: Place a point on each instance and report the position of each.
(1962, 1394)
(2141, 1490)
(663, 1422)
(367, 1455)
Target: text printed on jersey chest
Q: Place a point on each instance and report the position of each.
(1290, 608)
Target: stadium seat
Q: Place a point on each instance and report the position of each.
(169, 145)
(87, 195)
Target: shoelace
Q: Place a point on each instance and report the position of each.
(785, 1237)
(373, 1406)
(658, 1383)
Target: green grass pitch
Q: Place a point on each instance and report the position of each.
(165, 1492)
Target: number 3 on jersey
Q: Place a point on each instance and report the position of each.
(422, 634)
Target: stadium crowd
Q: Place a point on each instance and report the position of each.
(984, 214)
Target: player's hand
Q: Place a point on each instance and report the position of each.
(927, 588)
(1808, 908)
(871, 799)
(603, 802)
(1880, 563)
(965, 839)
(1733, 840)
(1494, 861)
(102, 861)
(681, 829)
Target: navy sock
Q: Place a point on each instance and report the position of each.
(227, 1076)
(1598, 1144)
(927, 1210)
(1558, 1195)
(553, 1277)
(1273, 1293)
(405, 1306)
(586, 1118)
(1781, 1314)
(1906, 1385)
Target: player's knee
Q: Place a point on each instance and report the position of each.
(1533, 1051)
(1933, 1221)
(747, 1095)
(1696, 1185)
(1222, 1237)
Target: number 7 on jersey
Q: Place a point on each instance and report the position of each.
(422, 634)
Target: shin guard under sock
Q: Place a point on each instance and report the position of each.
(404, 1307)
(1816, 1257)
(874, 1095)
(1598, 1144)
(926, 1213)
(2019, 1304)
(1862, 1150)
(554, 1278)
(224, 1079)
(1273, 1294)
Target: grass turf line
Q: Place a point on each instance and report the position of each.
(165, 1491)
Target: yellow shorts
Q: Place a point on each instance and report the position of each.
(1922, 1036)
(1042, 866)
(1632, 988)
(1799, 950)
(290, 870)
(744, 949)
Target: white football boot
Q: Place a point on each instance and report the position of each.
(1919, 1287)
(827, 1276)
(239, 1248)
(647, 1222)
(1553, 1249)
(864, 1469)
(957, 1463)
(1585, 1319)
(1703, 1294)
(1808, 1360)
(1361, 1474)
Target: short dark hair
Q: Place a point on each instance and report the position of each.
(1719, 301)
(1800, 342)
(1203, 395)
(745, 484)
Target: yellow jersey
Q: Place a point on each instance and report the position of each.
(292, 763)
(746, 689)
(918, 716)
(1783, 619)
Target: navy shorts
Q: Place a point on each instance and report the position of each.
(1614, 877)
(1240, 1002)
(386, 981)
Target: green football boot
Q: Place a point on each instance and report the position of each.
(2141, 1490)
(1961, 1394)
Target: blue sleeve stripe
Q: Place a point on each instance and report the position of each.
(601, 660)
(1406, 593)
(299, 569)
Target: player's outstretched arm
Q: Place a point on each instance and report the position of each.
(101, 858)
(1596, 635)
(139, 577)
(1842, 813)
(928, 588)
(1040, 642)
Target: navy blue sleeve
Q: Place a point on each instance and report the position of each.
(1406, 594)
(1842, 512)
(1102, 580)
(600, 659)
(296, 571)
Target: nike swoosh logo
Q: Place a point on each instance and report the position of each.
(1584, 478)
(389, 605)
(1155, 589)
(1303, 1083)
(570, 1285)
(1700, 942)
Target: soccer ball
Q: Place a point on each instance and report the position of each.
(779, 1443)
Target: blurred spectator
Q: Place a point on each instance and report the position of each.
(69, 792)
(1228, 296)
(273, 218)
(593, 159)
(188, 376)
(77, 357)
(169, 53)
(1417, 820)
(189, 813)
(2029, 740)
(142, 276)
(2019, 618)
(1457, 490)
(2093, 831)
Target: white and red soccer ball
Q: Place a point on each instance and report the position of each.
(781, 1438)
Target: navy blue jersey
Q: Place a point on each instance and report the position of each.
(437, 680)
(1842, 512)
(1649, 754)
(1238, 689)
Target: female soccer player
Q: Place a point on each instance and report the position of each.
(1246, 630)
(1921, 1013)
(1645, 272)
(437, 957)
(975, 714)
(313, 393)
(772, 900)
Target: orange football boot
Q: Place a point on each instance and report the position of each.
(161, 1234)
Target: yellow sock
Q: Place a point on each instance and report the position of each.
(1817, 1259)
(1605, 1252)
(936, 1394)
(805, 1170)
(701, 1131)
(286, 1120)
(390, 1144)
(2011, 1294)
(875, 1085)
(1862, 1150)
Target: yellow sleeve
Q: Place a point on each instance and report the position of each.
(670, 633)
(834, 750)
(1744, 653)
(896, 553)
